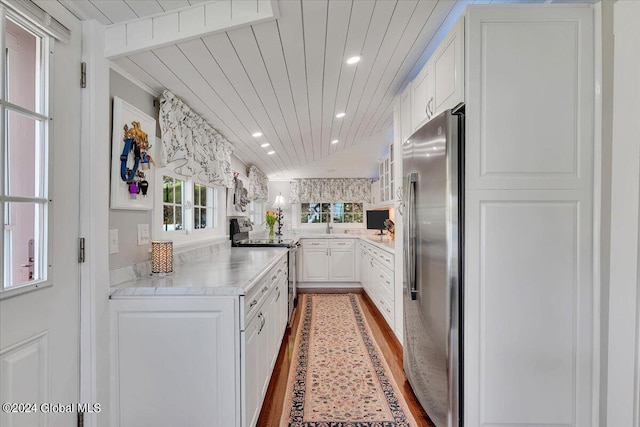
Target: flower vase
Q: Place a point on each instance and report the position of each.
(271, 232)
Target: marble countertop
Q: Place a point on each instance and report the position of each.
(232, 271)
(383, 242)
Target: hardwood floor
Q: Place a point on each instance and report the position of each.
(384, 336)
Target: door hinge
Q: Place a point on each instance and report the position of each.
(80, 419)
(81, 250)
(83, 75)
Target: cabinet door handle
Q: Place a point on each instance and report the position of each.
(265, 289)
(278, 297)
(274, 277)
(315, 243)
(254, 302)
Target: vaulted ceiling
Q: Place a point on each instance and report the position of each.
(288, 78)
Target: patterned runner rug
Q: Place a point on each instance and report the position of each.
(338, 377)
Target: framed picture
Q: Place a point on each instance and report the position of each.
(133, 151)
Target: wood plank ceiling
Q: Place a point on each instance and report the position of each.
(289, 78)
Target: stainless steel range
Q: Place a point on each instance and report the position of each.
(239, 233)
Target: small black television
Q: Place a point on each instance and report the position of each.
(375, 220)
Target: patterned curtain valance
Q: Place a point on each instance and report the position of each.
(258, 185)
(191, 146)
(331, 190)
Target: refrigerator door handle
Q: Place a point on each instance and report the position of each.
(412, 179)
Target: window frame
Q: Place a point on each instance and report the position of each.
(189, 235)
(43, 263)
(296, 212)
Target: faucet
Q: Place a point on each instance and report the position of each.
(329, 227)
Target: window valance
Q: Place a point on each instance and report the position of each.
(258, 185)
(191, 147)
(356, 190)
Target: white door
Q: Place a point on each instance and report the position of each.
(39, 302)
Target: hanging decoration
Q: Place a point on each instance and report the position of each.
(258, 185)
(191, 147)
(136, 144)
(330, 190)
(133, 155)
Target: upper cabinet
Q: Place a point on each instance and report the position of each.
(422, 97)
(440, 84)
(405, 114)
(448, 71)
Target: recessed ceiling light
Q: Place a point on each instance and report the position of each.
(335, 141)
(340, 115)
(266, 144)
(257, 134)
(271, 152)
(353, 60)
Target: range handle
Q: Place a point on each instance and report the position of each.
(412, 179)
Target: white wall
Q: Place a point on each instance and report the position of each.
(623, 400)
(126, 221)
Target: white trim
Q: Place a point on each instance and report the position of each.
(39, 17)
(94, 225)
(622, 387)
(597, 214)
(118, 69)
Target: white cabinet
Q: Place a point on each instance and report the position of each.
(205, 359)
(378, 279)
(262, 339)
(440, 84)
(405, 114)
(315, 260)
(422, 97)
(387, 184)
(342, 261)
(163, 349)
(448, 71)
(529, 195)
(328, 260)
(253, 362)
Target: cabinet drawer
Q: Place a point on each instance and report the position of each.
(279, 271)
(315, 243)
(385, 278)
(256, 296)
(386, 259)
(341, 243)
(386, 308)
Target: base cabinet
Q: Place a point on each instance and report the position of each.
(200, 361)
(164, 349)
(328, 260)
(378, 279)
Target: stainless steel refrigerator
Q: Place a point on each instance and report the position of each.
(432, 165)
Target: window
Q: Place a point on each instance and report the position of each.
(256, 214)
(189, 209)
(340, 213)
(24, 151)
(203, 206)
(172, 204)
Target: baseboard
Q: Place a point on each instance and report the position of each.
(329, 285)
(340, 290)
(382, 323)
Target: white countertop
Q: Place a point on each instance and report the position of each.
(232, 271)
(383, 242)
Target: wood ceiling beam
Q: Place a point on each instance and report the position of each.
(185, 24)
